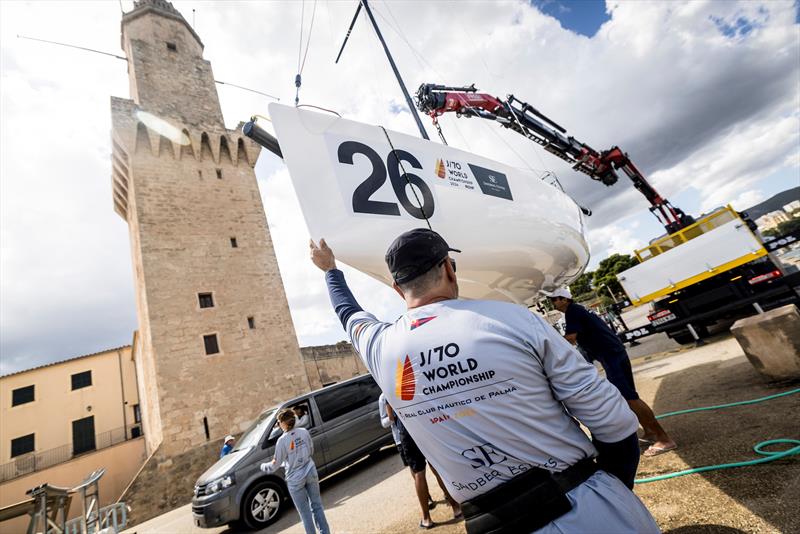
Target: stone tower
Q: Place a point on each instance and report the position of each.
(216, 344)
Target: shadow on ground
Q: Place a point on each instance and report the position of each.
(724, 436)
(342, 485)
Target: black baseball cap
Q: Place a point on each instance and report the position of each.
(414, 253)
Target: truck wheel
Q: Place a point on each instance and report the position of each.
(684, 338)
(262, 505)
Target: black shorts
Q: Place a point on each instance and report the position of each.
(409, 452)
(617, 366)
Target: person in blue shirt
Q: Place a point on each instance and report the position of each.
(227, 445)
(600, 343)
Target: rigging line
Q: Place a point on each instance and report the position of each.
(300, 44)
(248, 89)
(330, 23)
(126, 59)
(538, 171)
(419, 57)
(461, 134)
(321, 108)
(72, 46)
(402, 167)
(478, 50)
(308, 41)
(542, 172)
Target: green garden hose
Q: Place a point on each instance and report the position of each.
(768, 456)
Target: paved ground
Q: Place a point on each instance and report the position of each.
(377, 496)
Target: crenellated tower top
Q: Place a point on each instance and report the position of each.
(168, 75)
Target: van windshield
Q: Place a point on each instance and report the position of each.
(253, 434)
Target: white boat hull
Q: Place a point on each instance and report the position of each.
(517, 234)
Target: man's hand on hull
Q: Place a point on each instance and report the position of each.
(322, 255)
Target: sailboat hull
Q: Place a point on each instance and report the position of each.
(360, 186)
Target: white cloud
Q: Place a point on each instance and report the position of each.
(695, 108)
(614, 239)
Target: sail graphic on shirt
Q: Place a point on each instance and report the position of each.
(291, 445)
(416, 323)
(405, 383)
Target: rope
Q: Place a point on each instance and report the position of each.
(298, 79)
(300, 44)
(320, 108)
(308, 41)
(768, 456)
(419, 204)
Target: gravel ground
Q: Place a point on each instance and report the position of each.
(749, 499)
(377, 494)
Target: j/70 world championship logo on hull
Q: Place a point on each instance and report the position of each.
(440, 171)
(405, 382)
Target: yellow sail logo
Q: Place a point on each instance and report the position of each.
(440, 172)
(405, 383)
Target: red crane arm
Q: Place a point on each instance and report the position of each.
(435, 100)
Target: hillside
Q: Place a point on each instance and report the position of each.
(776, 202)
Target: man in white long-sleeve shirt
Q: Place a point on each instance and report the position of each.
(489, 392)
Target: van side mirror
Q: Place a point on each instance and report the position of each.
(275, 433)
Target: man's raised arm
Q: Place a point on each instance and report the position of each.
(342, 299)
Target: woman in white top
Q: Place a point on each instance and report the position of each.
(293, 452)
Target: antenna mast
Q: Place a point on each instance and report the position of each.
(410, 103)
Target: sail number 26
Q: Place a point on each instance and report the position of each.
(398, 179)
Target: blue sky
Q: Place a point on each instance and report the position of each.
(580, 16)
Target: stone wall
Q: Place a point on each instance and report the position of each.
(186, 187)
(166, 481)
(327, 364)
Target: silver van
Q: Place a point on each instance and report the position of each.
(344, 423)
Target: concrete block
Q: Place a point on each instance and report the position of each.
(771, 341)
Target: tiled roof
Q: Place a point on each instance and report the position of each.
(64, 361)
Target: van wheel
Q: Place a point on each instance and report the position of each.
(262, 505)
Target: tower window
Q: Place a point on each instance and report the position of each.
(206, 300)
(251, 322)
(205, 427)
(81, 380)
(172, 47)
(22, 396)
(199, 174)
(234, 244)
(210, 342)
(219, 174)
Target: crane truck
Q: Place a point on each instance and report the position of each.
(701, 271)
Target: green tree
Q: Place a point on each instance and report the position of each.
(786, 227)
(582, 285)
(792, 225)
(607, 270)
